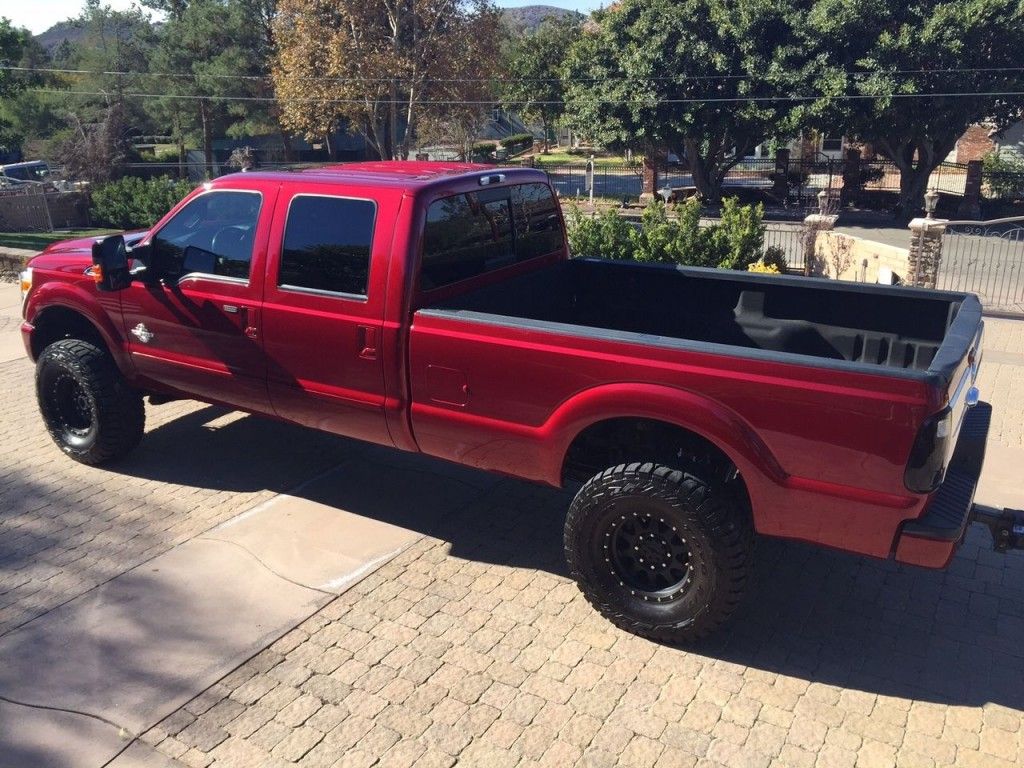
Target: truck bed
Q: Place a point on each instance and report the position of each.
(902, 331)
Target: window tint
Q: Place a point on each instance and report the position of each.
(327, 244)
(477, 232)
(213, 234)
(538, 225)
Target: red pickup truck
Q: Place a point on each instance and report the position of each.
(435, 308)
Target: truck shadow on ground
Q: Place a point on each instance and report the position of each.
(950, 637)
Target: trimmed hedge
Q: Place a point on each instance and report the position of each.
(517, 141)
(133, 203)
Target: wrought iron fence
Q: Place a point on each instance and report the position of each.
(949, 178)
(789, 239)
(986, 258)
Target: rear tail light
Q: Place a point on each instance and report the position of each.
(928, 457)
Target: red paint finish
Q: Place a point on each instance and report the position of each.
(822, 452)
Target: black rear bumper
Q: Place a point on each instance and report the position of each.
(949, 511)
(932, 539)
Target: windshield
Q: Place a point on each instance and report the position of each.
(27, 172)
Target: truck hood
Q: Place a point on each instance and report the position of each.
(75, 253)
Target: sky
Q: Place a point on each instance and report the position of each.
(40, 15)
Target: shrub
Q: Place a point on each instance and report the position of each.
(132, 203)
(764, 268)
(517, 141)
(164, 156)
(484, 150)
(735, 242)
(1004, 175)
(608, 236)
(775, 257)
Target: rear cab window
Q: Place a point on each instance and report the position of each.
(477, 232)
(327, 245)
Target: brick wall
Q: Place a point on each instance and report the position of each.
(974, 144)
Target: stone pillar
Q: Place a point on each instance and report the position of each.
(970, 206)
(814, 265)
(925, 253)
(780, 185)
(851, 177)
(650, 180)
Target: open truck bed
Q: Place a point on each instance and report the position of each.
(881, 329)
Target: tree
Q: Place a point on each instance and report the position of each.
(929, 70)
(14, 41)
(687, 76)
(256, 118)
(380, 68)
(533, 86)
(206, 50)
(102, 119)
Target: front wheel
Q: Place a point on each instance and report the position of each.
(89, 410)
(660, 552)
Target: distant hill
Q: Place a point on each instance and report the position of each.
(529, 17)
(525, 19)
(59, 32)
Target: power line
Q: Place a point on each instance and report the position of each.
(608, 78)
(492, 102)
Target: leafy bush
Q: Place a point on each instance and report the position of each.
(608, 236)
(1003, 175)
(735, 242)
(517, 141)
(164, 156)
(775, 257)
(484, 150)
(764, 268)
(132, 203)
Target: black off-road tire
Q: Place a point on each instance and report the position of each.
(631, 516)
(89, 410)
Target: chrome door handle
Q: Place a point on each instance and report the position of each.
(231, 308)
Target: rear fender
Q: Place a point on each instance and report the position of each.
(687, 410)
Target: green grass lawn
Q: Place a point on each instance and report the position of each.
(556, 157)
(38, 240)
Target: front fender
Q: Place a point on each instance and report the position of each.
(97, 309)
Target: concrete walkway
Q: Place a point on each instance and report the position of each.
(11, 346)
(105, 667)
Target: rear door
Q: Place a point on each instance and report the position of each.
(323, 311)
(197, 330)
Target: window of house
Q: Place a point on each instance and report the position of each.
(832, 144)
(478, 232)
(327, 244)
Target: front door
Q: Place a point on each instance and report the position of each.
(323, 313)
(197, 329)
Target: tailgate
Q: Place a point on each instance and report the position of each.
(955, 371)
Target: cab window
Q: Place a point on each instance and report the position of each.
(477, 232)
(213, 235)
(327, 245)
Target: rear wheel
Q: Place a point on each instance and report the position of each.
(89, 409)
(661, 552)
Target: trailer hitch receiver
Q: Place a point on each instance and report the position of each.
(1006, 526)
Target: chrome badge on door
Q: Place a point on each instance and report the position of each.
(142, 333)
